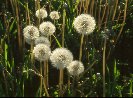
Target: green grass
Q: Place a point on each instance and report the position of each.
(19, 72)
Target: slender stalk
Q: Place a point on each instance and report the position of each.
(61, 83)
(23, 88)
(63, 27)
(69, 81)
(125, 9)
(99, 22)
(116, 4)
(40, 79)
(38, 3)
(95, 12)
(87, 4)
(83, 6)
(120, 94)
(123, 23)
(18, 30)
(131, 88)
(87, 70)
(47, 82)
(20, 45)
(49, 6)
(106, 18)
(118, 18)
(45, 88)
(46, 74)
(81, 44)
(108, 55)
(31, 49)
(80, 7)
(104, 11)
(35, 5)
(92, 6)
(36, 72)
(74, 87)
(27, 13)
(61, 70)
(104, 50)
(40, 75)
(111, 10)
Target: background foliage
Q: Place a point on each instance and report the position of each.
(114, 20)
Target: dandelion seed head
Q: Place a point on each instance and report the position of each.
(47, 28)
(41, 13)
(84, 24)
(54, 15)
(30, 33)
(42, 52)
(61, 57)
(42, 40)
(75, 68)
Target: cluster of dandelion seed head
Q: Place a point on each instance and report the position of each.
(47, 28)
(75, 68)
(41, 13)
(54, 15)
(30, 33)
(61, 57)
(41, 52)
(84, 24)
(42, 40)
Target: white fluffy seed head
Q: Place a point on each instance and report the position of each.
(30, 33)
(84, 24)
(47, 28)
(42, 40)
(41, 13)
(42, 52)
(54, 15)
(75, 68)
(61, 57)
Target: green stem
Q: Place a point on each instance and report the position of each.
(104, 50)
(81, 44)
(63, 27)
(68, 81)
(123, 23)
(47, 82)
(32, 56)
(46, 73)
(74, 86)
(40, 79)
(45, 88)
(23, 88)
(131, 88)
(61, 83)
(57, 41)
